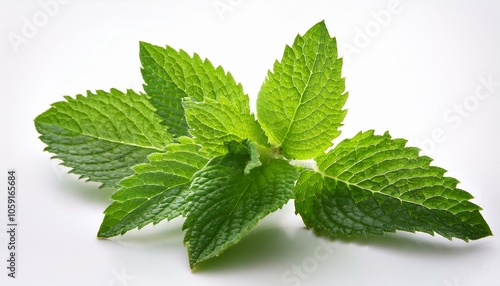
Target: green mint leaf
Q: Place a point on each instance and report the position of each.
(102, 135)
(156, 191)
(225, 203)
(374, 184)
(214, 122)
(171, 75)
(300, 103)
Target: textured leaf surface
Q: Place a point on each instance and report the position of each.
(212, 123)
(300, 103)
(225, 203)
(172, 75)
(102, 135)
(156, 191)
(374, 184)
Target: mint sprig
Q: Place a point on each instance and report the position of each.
(191, 147)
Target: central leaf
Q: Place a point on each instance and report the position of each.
(226, 200)
(300, 103)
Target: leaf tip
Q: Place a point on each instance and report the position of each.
(101, 233)
(143, 45)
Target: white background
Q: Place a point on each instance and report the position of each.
(409, 70)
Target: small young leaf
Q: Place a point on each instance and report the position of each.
(172, 75)
(300, 103)
(225, 203)
(212, 123)
(102, 135)
(374, 184)
(156, 191)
